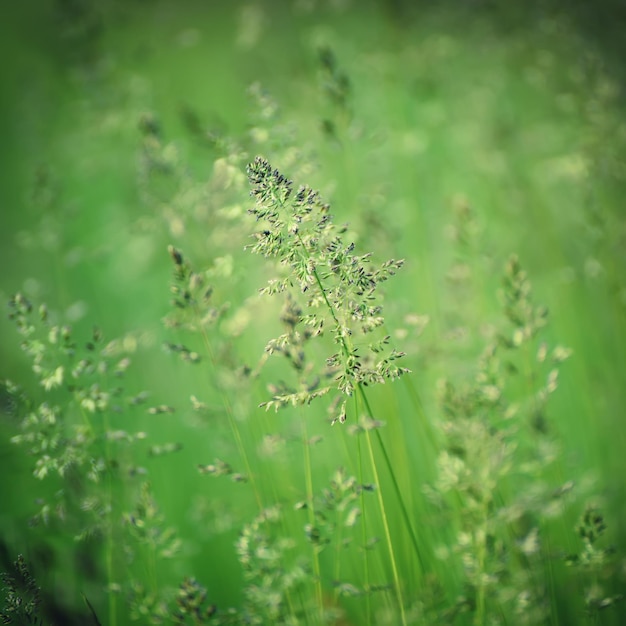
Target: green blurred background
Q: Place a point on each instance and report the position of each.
(514, 109)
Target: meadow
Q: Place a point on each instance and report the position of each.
(315, 315)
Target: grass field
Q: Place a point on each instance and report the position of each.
(147, 479)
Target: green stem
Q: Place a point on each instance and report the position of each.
(383, 513)
(368, 601)
(394, 481)
(311, 513)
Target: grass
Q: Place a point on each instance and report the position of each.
(310, 434)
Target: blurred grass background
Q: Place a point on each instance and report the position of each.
(515, 109)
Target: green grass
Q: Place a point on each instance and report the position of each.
(458, 141)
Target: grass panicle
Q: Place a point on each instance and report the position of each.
(299, 232)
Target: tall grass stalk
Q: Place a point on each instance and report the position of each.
(301, 233)
(364, 526)
(383, 513)
(381, 503)
(308, 477)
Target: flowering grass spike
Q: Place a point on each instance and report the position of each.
(337, 286)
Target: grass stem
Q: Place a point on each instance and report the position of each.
(383, 513)
(394, 480)
(311, 514)
(368, 601)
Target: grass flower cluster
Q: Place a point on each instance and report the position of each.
(322, 268)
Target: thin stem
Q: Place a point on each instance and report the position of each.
(396, 486)
(311, 512)
(383, 513)
(368, 602)
(330, 307)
